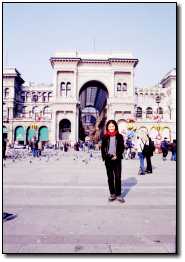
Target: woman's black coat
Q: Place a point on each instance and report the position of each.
(119, 146)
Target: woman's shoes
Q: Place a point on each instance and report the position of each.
(112, 197)
(120, 199)
(148, 171)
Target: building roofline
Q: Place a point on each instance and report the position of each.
(93, 60)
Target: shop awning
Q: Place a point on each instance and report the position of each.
(20, 133)
(43, 134)
(31, 133)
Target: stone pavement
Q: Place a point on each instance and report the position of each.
(62, 207)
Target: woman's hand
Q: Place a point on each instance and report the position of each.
(114, 157)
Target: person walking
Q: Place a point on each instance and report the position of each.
(129, 148)
(112, 149)
(139, 146)
(148, 153)
(34, 146)
(164, 148)
(173, 150)
(4, 147)
(39, 151)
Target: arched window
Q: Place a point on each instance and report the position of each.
(35, 112)
(124, 87)
(68, 88)
(35, 109)
(6, 92)
(118, 87)
(62, 89)
(28, 95)
(49, 96)
(44, 97)
(149, 112)
(47, 112)
(139, 112)
(160, 111)
(34, 97)
(39, 93)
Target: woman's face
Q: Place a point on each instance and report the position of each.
(111, 127)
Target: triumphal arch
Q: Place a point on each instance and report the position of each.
(88, 90)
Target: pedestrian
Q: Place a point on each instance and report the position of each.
(112, 149)
(65, 147)
(173, 150)
(149, 148)
(164, 148)
(139, 146)
(39, 152)
(129, 148)
(4, 147)
(34, 147)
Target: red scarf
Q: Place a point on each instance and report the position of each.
(108, 133)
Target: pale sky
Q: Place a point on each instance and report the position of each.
(33, 32)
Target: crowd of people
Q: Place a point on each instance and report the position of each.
(131, 150)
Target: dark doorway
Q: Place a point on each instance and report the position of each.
(64, 129)
(93, 112)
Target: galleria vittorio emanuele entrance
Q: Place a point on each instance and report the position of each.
(93, 111)
(89, 89)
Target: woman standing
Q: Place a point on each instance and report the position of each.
(139, 148)
(112, 149)
(149, 153)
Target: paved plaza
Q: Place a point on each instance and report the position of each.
(62, 206)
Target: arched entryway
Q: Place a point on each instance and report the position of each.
(19, 135)
(43, 135)
(64, 129)
(92, 113)
(30, 134)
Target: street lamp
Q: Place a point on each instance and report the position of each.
(158, 100)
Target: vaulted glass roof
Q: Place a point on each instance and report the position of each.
(93, 94)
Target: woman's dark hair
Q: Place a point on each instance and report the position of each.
(114, 123)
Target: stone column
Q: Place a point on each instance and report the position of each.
(110, 112)
(77, 123)
(53, 129)
(12, 132)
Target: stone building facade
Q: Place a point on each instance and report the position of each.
(87, 90)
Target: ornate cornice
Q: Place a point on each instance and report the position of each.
(63, 59)
(94, 61)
